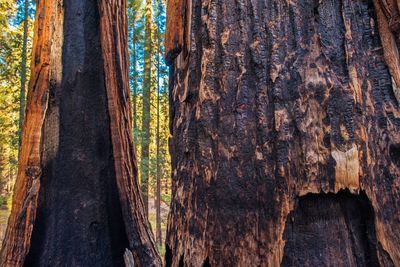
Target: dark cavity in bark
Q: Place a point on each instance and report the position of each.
(326, 228)
(79, 214)
(394, 151)
(168, 256)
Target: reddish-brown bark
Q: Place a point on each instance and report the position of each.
(115, 53)
(176, 25)
(45, 72)
(387, 13)
(76, 200)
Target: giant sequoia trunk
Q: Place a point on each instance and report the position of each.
(76, 199)
(286, 133)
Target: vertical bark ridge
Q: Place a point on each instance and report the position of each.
(45, 72)
(389, 28)
(113, 44)
(276, 100)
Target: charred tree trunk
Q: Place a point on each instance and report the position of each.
(76, 199)
(286, 133)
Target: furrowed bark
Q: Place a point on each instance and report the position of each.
(115, 52)
(388, 17)
(285, 126)
(45, 72)
(77, 146)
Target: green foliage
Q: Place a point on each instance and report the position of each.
(166, 198)
(158, 73)
(11, 40)
(3, 201)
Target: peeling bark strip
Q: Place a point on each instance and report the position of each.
(274, 101)
(113, 27)
(77, 201)
(174, 34)
(178, 27)
(389, 28)
(45, 69)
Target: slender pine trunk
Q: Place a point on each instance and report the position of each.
(23, 74)
(158, 179)
(145, 155)
(134, 58)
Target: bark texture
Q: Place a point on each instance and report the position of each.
(78, 169)
(114, 42)
(45, 73)
(388, 15)
(285, 131)
(176, 19)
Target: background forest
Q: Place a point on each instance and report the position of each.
(148, 83)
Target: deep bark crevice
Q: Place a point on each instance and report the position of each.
(168, 256)
(79, 216)
(385, 257)
(182, 261)
(207, 262)
(329, 227)
(394, 152)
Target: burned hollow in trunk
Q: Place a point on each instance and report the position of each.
(76, 200)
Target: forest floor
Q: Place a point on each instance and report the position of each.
(164, 219)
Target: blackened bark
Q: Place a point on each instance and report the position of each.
(79, 215)
(115, 52)
(78, 170)
(45, 74)
(349, 217)
(272, 101)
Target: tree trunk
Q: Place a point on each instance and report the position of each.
(286, 134)
(76, 199)
(145, 155)
(133, 21)
(158, 163)
(135, 128)
(23, 74)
